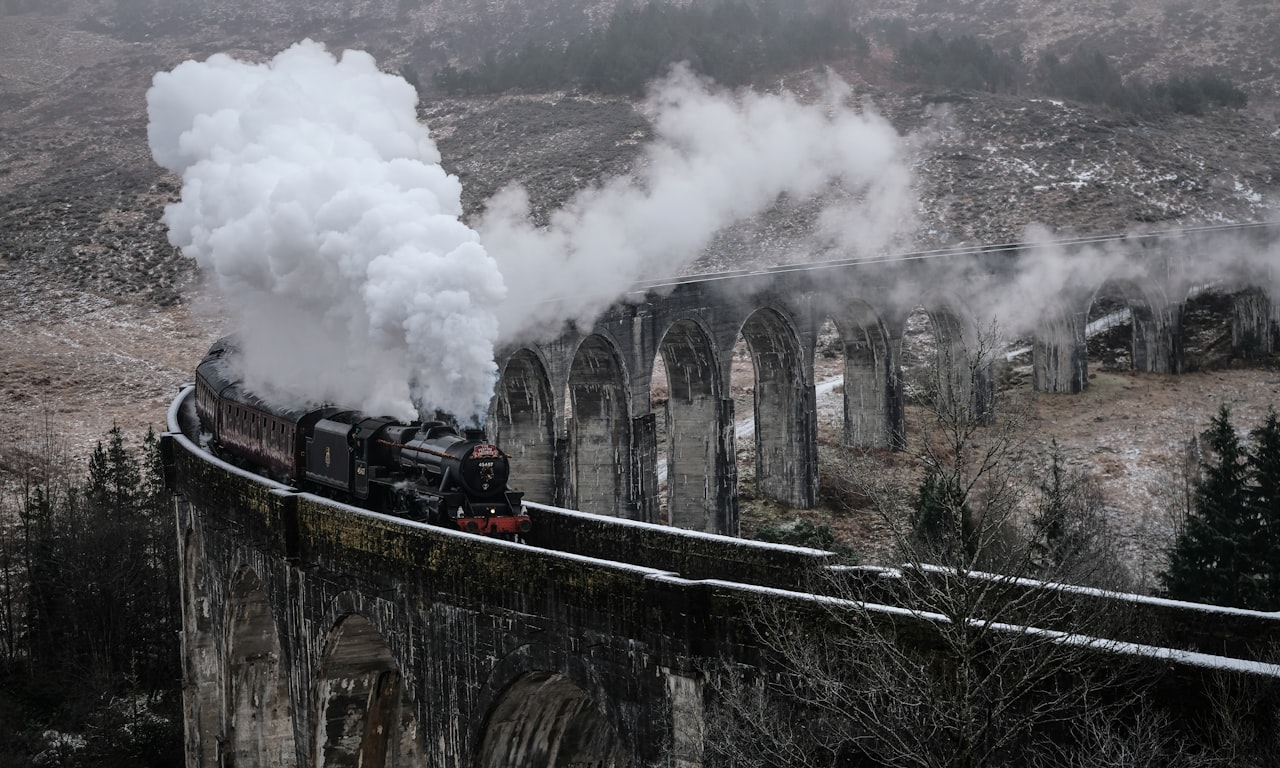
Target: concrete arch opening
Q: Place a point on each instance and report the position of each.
(870, 417)
(365, 717)
(830, 380)
(948, 364)
(1223, 322)
(691, 448)
(784, 411)
(545, 720)
(1255, 325)
(599, 430)
(524, 425)
(1128, 330)
(260, 728)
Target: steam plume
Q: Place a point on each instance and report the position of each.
(717, 158)
(316, 202)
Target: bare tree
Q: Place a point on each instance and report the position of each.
(952, 658)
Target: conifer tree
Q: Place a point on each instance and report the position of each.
(1213, 559)
(1264, 502)
(942, 524)
(1070, 538)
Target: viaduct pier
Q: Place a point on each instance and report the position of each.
(319, 634)
(604, 457)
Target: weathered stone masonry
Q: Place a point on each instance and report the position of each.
(316, 634)
(319, 635)
(604, 458)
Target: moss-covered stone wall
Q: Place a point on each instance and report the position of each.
(692, 555)
(611, 610)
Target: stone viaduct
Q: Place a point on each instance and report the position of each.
(317, 634)
(605, 456)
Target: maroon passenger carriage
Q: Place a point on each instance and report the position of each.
(423, 471)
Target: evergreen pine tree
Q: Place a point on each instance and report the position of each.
(114, 478)
(1212, 560)
(1264, 503)
(941, 523)
(122, 586)
(1050, 540)
(1070, 536)
(158, 607)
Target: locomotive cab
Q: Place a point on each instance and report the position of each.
(342, 452)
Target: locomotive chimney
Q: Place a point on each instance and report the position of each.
(474, 434)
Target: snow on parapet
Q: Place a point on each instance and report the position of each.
(1128, 597)
(1100, 644)
(683, 532)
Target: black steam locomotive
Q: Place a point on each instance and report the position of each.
(424, 471)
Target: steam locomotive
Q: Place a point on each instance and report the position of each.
(425, 471)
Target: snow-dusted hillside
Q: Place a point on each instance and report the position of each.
(100, 319)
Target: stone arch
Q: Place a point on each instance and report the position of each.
(1156, 344)
(962, 375)
(785, 428)
(1253, 323)
(599, 429)
(544, 719)
(699, 442)
(363, 714)
(872, 417)
(260, 727)
(524, 424)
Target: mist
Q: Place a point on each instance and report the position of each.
(315, 204)
(718, 157)
(1053, 276)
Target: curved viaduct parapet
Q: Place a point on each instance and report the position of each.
(353, 638)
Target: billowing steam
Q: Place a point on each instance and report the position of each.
(316, 202)
(717, 158)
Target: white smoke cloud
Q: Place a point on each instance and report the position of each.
(718, 157)
(316, 202)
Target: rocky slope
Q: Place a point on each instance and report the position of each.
(100, 319)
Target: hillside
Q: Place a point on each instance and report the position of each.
(102, 319)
